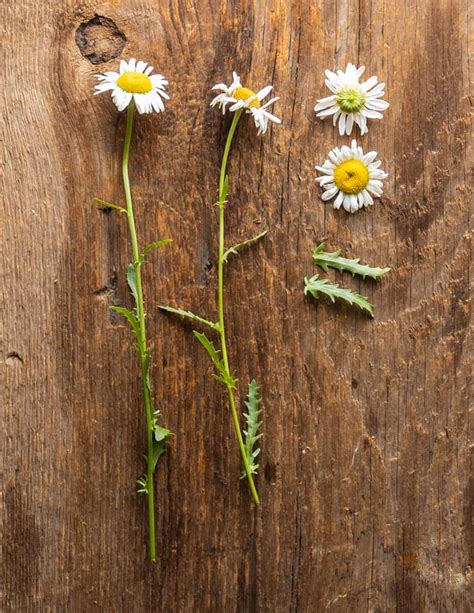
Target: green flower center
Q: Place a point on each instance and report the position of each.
(350, 100)
(351, 176)
(134, 82)
(244, 93)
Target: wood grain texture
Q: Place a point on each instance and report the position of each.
(365, 467)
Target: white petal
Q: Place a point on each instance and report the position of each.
(338, 201)
(349, 123)
(264, 92)
(329, 194)
(366, 85)
(342, 124)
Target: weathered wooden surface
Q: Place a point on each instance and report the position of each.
(364, 474)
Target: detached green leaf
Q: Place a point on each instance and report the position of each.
(253, 424)
(189, 315)
(154, 245)
(130, 316)
(132, 283)
(333, 259)
(316, 286)
(236, 248)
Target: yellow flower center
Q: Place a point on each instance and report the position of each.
(244, 93)
(134, 82)
(351, 177)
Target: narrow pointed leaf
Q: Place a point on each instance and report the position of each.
(110, 205)
(154, 245)
(132, 282)
(316, 286)
(189, 315)
(334, 259)
(236, 248)
(211, 350)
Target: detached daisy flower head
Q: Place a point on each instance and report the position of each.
(352, 177)
(352, 102)
(246, 99)
(134, 81)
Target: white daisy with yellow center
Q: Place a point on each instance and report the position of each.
(351, 177)
(134, 81)
(352, 102)
(244, 98)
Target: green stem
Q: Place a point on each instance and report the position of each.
(142, 340)
(220, 300)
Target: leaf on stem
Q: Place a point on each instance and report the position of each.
(224, 192)
(131, 318)
(132, 283)
(253, 424)
(110, 205)
(224, 377)
(238, 246)
(189, 315)
(161, 438)
(333, 259)
(154, 245)
(315, 286)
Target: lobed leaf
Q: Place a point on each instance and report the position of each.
(189, 315)
(333, 259)
(253, 424)
(235, 248)
(316, 286)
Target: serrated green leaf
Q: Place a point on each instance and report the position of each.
(189, 315)
(253, 424)
(131, 318)
(227, 379)
(315, 286)
(211, 350)
(235, 248)
(132, 283)
(154, 245)
(333, 259)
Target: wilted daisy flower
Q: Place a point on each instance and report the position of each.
(352, 102)
(351, 176)
(134, 81)
(246, 99)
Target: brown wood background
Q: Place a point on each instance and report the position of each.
(365, 468)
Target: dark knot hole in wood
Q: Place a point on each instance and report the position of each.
(100, 40)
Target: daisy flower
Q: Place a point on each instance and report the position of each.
(352, 102)
(246, 99)
(134, 81)
(352, 177)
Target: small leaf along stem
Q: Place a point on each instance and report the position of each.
(143, 350)
(223, 186)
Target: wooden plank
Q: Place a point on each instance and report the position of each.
(365, 456)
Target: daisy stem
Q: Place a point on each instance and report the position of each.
(220, 299)
(143, 350)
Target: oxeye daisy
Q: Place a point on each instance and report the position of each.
(352, 102)
(134, 81)
(351, 177)
(243, 98)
